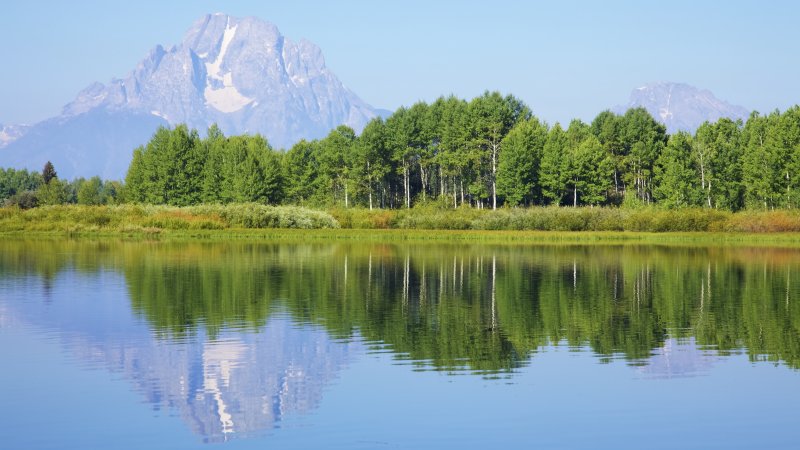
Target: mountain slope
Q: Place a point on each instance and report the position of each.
(682, 107)
(239, 73)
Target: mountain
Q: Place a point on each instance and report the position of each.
(240, 73)
(682, 107)
(10, 133)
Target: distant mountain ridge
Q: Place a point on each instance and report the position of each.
(239, 73)
(681, 107)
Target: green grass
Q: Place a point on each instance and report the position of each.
(534, 225)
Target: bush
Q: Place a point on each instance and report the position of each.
(362, 218)
(764, 222)
(254, 215)
(22, 200)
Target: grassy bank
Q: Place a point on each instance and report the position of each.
(507, 225)
(648, 220)
(155, 219)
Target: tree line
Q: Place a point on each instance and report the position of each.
(487, 152)
(29, 189)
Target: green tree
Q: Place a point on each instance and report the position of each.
(372, 161)
(592, 176)
(643, 139)
(675, 174)
(454, 138)
(13, 181)
(56, 192)
(717, 154)
(493, 116)
(215, 145)
(551, 174)
(608, 128)
(403, 135)
(91, 192)
(169, 169)
(137, 180)
(336, 162)
(585, 167)
(788, 136)
(301, 173)
(518, 169)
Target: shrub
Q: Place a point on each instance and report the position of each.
(22, 200)
(254, 215)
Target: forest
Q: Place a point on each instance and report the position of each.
(487, 152)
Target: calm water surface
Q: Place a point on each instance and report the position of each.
(112, 344)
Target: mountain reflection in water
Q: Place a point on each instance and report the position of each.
(235, 336)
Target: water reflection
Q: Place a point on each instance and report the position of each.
(235, 336)
(232, 383)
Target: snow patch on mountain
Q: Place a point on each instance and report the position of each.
(226, 98)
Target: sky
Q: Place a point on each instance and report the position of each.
(564, 59)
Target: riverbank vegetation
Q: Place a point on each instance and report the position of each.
(154, 219)
(150, 219)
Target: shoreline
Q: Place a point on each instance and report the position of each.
(516, 226)
(498, 237)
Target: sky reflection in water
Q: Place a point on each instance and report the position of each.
(340, 345)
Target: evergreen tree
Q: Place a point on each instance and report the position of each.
(48, 173)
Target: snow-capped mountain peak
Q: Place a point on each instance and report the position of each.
(239, 73)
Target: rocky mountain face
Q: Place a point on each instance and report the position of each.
(239, 73)
(682, 107)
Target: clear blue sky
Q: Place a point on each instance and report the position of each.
(565, 59)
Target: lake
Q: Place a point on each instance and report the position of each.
(290, 344)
